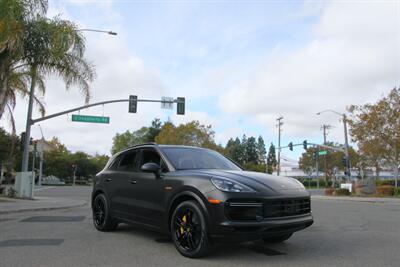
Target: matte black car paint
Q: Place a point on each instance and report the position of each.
(149, 199)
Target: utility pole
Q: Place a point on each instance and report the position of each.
(325, 129)
(280, 123)
(344, 118)
(74, 175)
(348, 167)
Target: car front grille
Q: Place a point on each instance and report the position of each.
(286, 207)
(275, 208)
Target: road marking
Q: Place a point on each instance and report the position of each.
(42, 188)
(54, 219)
(30, 242)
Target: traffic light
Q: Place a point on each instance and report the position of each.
(23, 135)
(315, 154)
(180, 107)
(291, 146)
(305, 144)
(132, 103)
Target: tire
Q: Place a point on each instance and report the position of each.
(277, 239)
(189, 231)
(101, 214)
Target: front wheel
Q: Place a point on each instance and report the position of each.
(278, 238)
(101, 214)
(189, 230)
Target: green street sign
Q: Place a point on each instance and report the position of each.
(93, 119)
(322, 152)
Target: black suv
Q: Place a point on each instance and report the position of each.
(197, 196)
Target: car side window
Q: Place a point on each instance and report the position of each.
(150, 155)
(128, 161)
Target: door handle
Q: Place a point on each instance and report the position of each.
(108, 179)
(133, 181)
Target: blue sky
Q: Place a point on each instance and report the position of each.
(240, 65)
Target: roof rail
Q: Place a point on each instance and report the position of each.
(147, 143)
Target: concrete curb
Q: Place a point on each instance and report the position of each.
(44, 208)
(395, 201)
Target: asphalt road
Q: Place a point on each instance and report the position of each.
(344, 234)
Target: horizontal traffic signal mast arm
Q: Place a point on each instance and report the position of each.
(341, 149)
(95, 104)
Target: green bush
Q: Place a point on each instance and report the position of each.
(397, 191)
(342, 192)
(385, 190)
(314, 182)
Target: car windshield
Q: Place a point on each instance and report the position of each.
(195, 158)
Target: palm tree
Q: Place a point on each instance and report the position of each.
(33, 47)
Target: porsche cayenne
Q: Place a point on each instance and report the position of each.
(198, 197)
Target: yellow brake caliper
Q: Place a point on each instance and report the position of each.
(184, 220)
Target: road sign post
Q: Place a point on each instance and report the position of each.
(167, 102)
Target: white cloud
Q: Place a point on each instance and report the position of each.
(120, 73)
(353, 57)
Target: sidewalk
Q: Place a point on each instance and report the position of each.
(11, 205)
(359, 199)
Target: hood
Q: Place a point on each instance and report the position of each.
(256, 180)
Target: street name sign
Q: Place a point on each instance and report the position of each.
(92, 119)
(322, 152)
(167, 102)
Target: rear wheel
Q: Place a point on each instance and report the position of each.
(101, 214)
(189, 230)
(277, 239)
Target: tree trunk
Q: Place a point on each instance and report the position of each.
(3, 91)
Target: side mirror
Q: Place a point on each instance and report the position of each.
(150, 167)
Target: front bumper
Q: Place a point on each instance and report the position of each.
(225, 229)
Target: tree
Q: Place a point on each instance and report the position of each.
(191, 134)
(334, 160)
(127, 139)
(233, 150)
(153, 130)
(33, 47)
(251, 151)
(376, 129)
(262, 152)
(271, 159)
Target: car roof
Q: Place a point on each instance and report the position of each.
(153, 144)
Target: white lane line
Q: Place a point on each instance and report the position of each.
(42, 188)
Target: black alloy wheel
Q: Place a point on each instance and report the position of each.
(101, 217)
(189, 230)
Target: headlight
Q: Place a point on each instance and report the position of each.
(230, 186)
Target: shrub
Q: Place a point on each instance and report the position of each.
(385, 190)
(342, 192)
(397, 191)
(329, 191)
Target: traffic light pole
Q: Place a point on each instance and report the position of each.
(30, 121)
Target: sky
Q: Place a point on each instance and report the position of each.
(239, 64)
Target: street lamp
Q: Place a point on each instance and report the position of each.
(25, 156)
(345, 138)
(92, 30)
